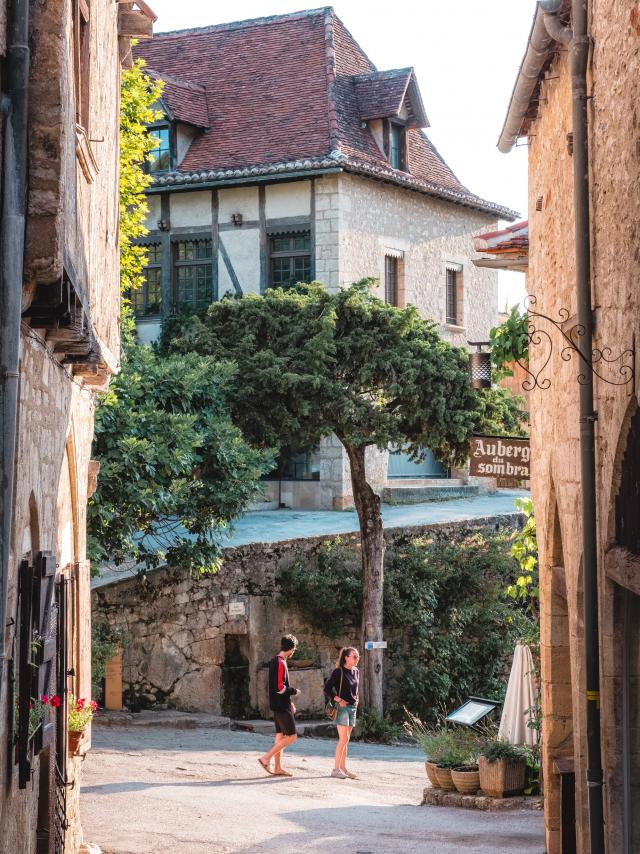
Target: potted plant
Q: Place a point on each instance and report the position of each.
(302, 657)
(78, 719)
(457, 767)
(435, 743)
(502, 769)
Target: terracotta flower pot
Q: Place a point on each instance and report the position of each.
(502, 779)
(431, 774)
(444, 779)
(74, 741)
(466, 782)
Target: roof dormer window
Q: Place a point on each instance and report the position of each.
(395, 143)
(398, 146)
(161, 160)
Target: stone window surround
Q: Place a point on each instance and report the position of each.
(456, 266)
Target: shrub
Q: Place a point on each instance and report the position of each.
(496, 749)
(451, 628)
(373, 727)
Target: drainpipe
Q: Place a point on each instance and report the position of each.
(12, 228)
(579, 61)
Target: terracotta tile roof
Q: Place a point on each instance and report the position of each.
(185, 102)
(284, 95)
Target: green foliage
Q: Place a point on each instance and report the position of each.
(138, 93)
(502, 413)
(451, 629)
(496, 749)
(510, 342)
(311, 363)
(173, 468)
(329, 600)
(373, 727)
(303, 652)
(526, 589)
(461, 748)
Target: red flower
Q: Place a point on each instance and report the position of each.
(54, 701)
(30, 705)
(44, 699)
(80, 705)
(94, 705)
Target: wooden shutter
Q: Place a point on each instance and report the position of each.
(45, 576)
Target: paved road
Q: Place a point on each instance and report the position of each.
(270, 526)
(156, 791)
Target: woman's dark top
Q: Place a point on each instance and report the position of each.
(350, 682)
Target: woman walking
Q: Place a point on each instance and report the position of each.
(342, 688)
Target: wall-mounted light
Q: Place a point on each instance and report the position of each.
(236, 218)
(480, 366)
(163, 225)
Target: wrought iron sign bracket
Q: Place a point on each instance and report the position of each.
(623, 366)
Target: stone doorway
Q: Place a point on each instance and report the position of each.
(235, 677)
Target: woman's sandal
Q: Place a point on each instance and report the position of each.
(265, 767)
(281, 773)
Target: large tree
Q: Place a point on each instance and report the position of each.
(312, 363)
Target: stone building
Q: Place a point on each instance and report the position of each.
(284, 155)
(541, 110)
(60, 343)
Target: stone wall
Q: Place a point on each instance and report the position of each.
(179, 626)
(615, 218)
(71, 229)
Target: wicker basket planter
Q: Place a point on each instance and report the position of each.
(466, 781)
(444, 779)
(431, 774)
(501, 779)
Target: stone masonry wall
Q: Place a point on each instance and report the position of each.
(176, 624)
(615, 218)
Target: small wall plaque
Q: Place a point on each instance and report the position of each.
(237, 609)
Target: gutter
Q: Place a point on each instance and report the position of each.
(14, 108)
(547, 30)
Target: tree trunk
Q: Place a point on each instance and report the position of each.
(372, 542)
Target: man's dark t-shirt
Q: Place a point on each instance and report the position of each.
(280, 691)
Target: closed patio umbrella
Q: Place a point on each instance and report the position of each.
(522, 694)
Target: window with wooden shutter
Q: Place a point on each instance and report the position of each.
(81, 56)
(454, 295)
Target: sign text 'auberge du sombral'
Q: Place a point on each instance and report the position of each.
(502, 457)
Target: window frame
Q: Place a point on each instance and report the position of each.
(155, 265)
(391, 283)
(177, 263)
(81, 28)
(399, 129)
(454, 295)
(160, 126)
(290, 253)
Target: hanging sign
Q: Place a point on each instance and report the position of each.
(502, 457)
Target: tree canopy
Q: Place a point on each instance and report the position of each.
(311, 363)
(173, 467)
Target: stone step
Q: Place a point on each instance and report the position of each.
(169, 719)
(318, 728)
(418, 494)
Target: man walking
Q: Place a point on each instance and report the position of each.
(280, 693)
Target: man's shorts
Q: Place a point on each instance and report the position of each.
(285, 722)
(346, 716)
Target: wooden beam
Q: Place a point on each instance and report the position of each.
(134, 25)
(144, 7)
(623, 567)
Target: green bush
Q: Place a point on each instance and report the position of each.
(496, 749)
(375, 728)
(450, 626)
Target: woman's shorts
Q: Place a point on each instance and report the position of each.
(346, 716)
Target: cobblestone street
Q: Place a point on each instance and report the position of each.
(155, 791)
